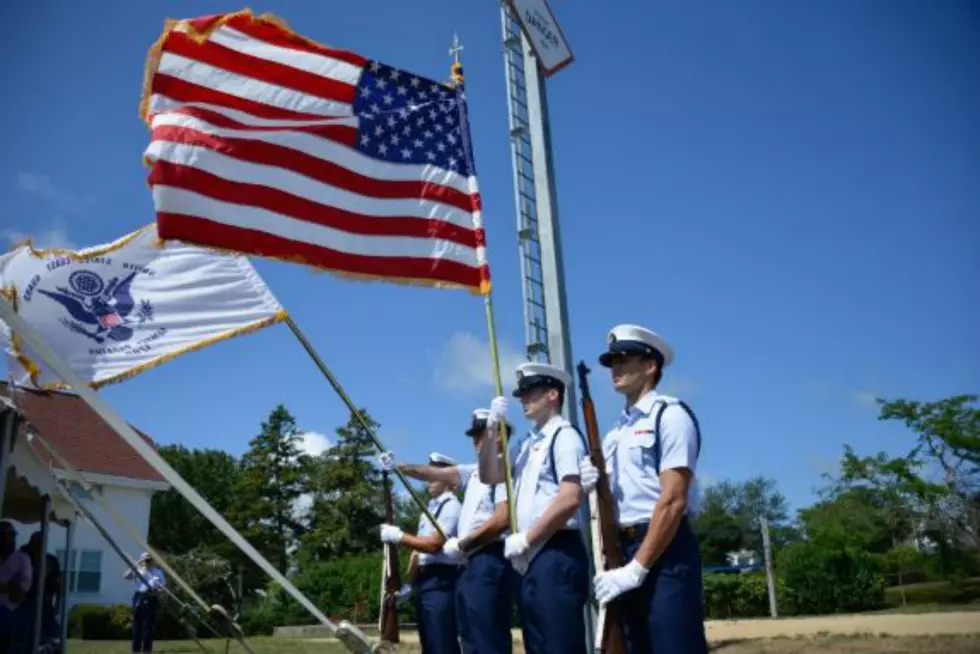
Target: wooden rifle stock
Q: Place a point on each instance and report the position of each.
(610, 638)
(391, 579)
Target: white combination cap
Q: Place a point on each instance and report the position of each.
(441, 459)
(540, 375)
(633, 339)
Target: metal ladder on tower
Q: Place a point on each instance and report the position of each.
(532, 282)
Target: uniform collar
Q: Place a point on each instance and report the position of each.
(644, 405)
(439, 498)
(549, 428)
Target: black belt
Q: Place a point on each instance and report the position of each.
(494, 547)
(634, 532)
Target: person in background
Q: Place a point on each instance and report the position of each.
(484, 594)
(15, 582)
(51, 586)
(434, 583)
(146, 602)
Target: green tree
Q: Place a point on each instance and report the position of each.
(347, 497)
(175, 525)
(719, 532)
(947, 436)
(273, 476)
(858, 516)
(729, 514)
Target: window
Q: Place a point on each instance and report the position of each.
(84, 571)
(80, 493)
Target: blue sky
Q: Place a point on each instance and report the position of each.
(787, 191)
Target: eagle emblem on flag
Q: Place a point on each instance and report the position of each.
(105, 307)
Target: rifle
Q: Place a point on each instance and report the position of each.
(609, 636)
(391, 577)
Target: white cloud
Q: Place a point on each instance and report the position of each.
(463, 365)
(314, 443)
(61, 199)
(866, 399)
(53, 237)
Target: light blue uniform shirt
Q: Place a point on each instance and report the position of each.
(630, 456)
(155, 578)
(448, 518)
(479, 500)
(569, 451)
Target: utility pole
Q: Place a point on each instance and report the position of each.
(535, 48)
(770, 578)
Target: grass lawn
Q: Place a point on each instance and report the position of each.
(818, 645)
(964, 595)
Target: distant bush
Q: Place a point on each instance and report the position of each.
(344, 589)
(96, 622)
(737, 595)
(821, 580)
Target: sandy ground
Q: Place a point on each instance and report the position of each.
(926, 624)
(725, 631)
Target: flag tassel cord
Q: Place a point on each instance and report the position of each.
(499, 389)
(356, 413)
(347, 633)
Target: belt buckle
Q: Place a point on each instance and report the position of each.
(630, 532)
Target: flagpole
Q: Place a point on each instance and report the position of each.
(305, 342)
(499, 388)
(456, 75)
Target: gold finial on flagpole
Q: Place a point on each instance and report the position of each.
(457, 69)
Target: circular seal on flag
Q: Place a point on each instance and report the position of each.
(86, 282)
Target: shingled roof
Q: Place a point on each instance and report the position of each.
(79, 435)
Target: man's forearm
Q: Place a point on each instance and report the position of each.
(560, 511)
(667, 516)
(424, 544)
(430, 473)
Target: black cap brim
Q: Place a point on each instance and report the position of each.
(476, 428)
(531, 382)
(620, 348)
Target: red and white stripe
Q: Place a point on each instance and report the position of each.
(252, 150)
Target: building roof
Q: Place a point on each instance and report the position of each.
(79, 435)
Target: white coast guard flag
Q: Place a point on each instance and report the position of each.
(115, 310)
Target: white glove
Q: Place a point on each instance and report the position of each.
(498, 411)
(451, 549)
(387, 460)
(588, 474)
(515, 549)
(516, 545)
(391, 534)
(403, 593)
(611, 584)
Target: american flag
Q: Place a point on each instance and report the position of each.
(267, 143)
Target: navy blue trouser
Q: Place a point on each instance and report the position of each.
(435, 608)
(666, 615)
(552, 596)
(145, 607)
(485, 602)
